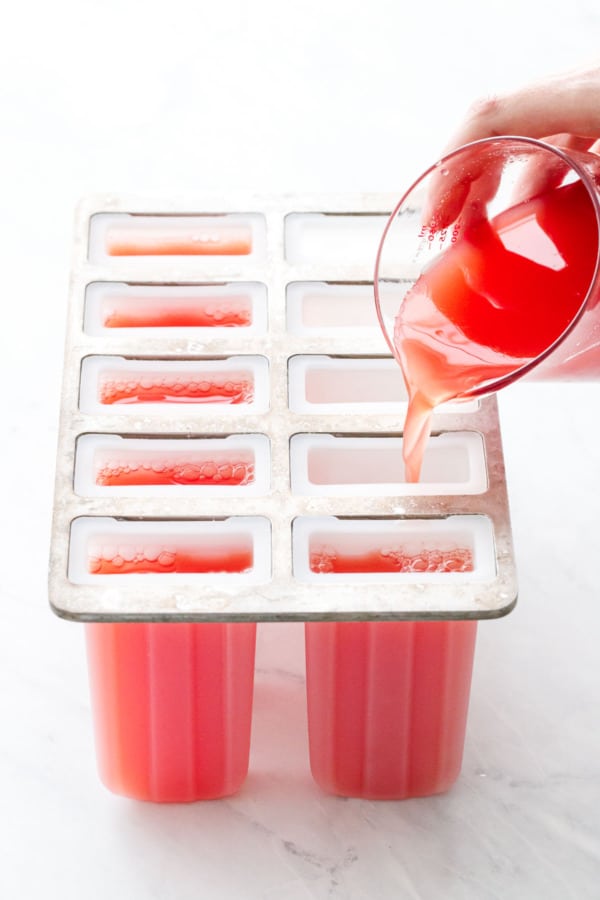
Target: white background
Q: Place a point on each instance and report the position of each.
(164, 99)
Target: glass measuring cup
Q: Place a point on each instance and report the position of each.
(488, 270)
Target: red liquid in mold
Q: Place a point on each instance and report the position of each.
(123, 470)
(387, 705)
(387, 701)
(123, 387)
(492, 303)
(179, 240)
(163, 558)
(164, 312)
(328, 560)
(172, 705)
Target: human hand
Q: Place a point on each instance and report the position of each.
(563, 110)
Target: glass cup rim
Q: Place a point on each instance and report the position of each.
(563, 153)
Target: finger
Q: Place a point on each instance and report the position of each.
(462, 185)
(444, 202)
(546, 170)
(569, 141)
(481, 193)
(563, 103)
(566, 103)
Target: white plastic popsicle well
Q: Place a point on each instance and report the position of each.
(326, 309)
(333, 239)
(112, 465)
(457, 549)
(162, 311)
(326, 385)
(325, 464)
(236, 385)
(221, 553)
(119, 236)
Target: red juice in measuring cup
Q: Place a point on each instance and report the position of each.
(500, 295)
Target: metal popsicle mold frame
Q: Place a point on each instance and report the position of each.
(284, 591)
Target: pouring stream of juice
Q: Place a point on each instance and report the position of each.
(492, 303)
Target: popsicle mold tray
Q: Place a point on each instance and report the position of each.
(231, 429)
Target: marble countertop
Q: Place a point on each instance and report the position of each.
(268, 97)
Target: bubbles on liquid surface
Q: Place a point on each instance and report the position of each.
(189, 312)
(235, 472)
(164, 558)
(167, 388)
(327, 560)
